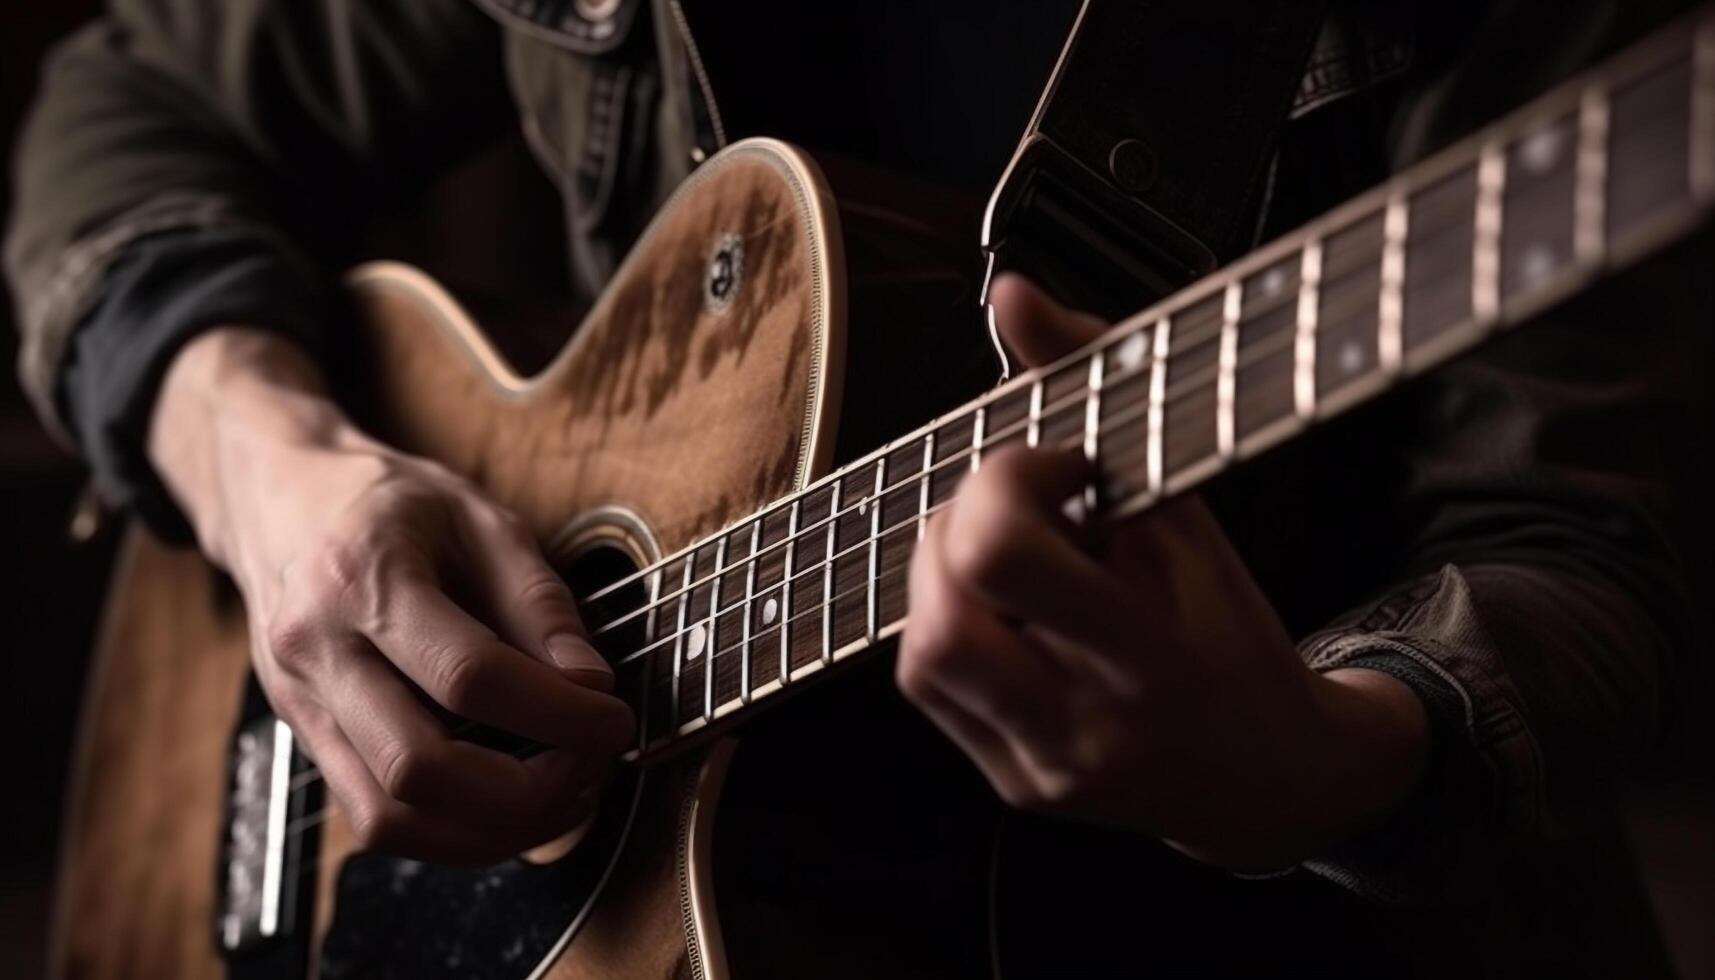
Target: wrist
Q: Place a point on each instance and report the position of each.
(1375, 733)
(240, 409)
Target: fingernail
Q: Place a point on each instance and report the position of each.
(575, 656)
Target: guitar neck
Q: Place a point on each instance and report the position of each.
(1598, 173)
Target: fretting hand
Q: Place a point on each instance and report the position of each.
(1137, 677)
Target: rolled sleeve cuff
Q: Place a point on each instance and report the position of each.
(163, 291)
(1482, 783)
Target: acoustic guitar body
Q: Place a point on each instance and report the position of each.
(706, 382)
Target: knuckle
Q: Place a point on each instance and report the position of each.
(292, 644)
(403, 771)
(342, 567)
(545, 592)
(461, 679)
(500, 521)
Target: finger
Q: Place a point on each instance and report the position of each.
(1009, 544)
(1034, 324)
(464, 667)
(957, 646)
(414, 760)
(380, 823)
(529, 604)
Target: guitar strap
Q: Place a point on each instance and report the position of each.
(1146, 163)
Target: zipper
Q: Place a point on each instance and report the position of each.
(702, 74)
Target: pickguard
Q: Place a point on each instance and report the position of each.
(401, 918)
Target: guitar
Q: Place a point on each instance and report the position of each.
(677, 459)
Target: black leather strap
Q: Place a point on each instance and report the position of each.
(1145, 165)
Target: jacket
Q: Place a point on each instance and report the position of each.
(1528, 584)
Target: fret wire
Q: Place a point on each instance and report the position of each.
(1591, 197)
(1390, 310)
(979, 414)
(829, 599)
(749, 611)
(800, 531)
(1486, 251)
(679, 636)
(1227, 382)
(834, 514)
(786, 592)
(828, 575)
(1309, 299)
(1158, 404)
(1033, 434)
(1703, 111)
(978, 440)
(651, 622)
(713, 642)
(1113, 424)
(977, 426)
(924, 479)
(875, 542)
(1093, 433)
(1703, 148)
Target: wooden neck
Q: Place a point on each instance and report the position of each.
(1486, 234)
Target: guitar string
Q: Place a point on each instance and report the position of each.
(1429, 217)
(822, 609)
(820, 568)
(314, 775)
(305, 823)
(1281, 340)
(1197, 383)
(1286, 297)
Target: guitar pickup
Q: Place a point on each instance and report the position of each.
(258, 867)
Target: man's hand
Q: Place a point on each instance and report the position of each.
(377, 583)
(1137, 677)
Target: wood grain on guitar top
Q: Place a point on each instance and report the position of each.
(685, 406)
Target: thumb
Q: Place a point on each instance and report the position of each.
(1034, 324)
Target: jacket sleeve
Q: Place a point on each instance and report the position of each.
(1544, 613)
(196, 162)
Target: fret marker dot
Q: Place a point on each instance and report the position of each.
(1272, 281)
(694, 644)
(1130, 352)
(1537, 263)
(1351, 357)
(1541, 151)
(770, 609)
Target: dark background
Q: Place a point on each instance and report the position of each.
(52, 590)
(52, 587)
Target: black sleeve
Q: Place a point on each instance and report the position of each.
(190, 163)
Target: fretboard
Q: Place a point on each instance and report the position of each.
(1495, 229)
